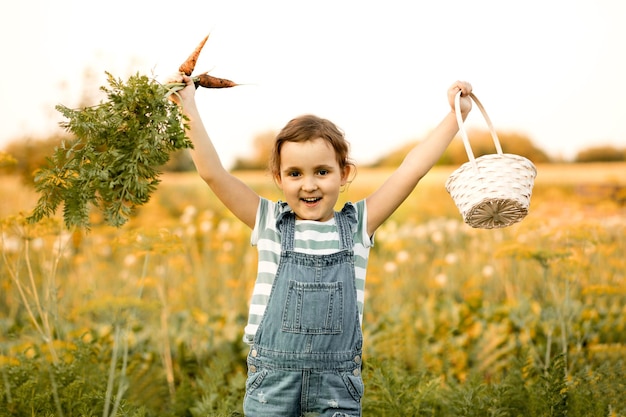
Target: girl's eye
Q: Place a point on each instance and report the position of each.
(323, 172)
(293, 174)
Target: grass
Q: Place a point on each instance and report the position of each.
(146, 320)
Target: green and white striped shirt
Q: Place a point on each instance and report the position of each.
(311, 237)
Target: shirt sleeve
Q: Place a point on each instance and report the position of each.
(361, 210)
(263, 212)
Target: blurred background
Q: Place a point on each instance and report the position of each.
(548, 73)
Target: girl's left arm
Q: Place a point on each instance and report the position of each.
(384, 201)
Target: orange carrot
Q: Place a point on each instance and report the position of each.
(209, 81)
(190, 63)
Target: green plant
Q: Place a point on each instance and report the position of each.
(553, 392)
(449, 311)
(392, 390)
(114, 162)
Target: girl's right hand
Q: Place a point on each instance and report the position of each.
(187, 94)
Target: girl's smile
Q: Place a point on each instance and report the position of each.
(311, 178)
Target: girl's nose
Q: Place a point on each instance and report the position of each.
(309, 184)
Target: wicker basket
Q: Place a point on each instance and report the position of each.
(491, 191)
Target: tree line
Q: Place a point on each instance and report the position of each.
(26, 155)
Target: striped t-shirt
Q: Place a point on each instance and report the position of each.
(311, 237)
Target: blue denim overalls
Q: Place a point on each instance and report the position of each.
(306, 356)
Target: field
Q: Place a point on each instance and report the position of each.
(147, 320)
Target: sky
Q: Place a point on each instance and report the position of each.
(552, 70)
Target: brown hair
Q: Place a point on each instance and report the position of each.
(310, 127)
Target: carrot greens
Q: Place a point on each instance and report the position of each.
(114, 161)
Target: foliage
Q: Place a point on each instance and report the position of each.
(393, 390)
(7, 160)
(511, 142)
(482, 144)
(180, 161)
(73, 387)
(31, 154)
(78, 386)
(26, 156)
(601, 154)
(114, 162)
(262, 145)
(147, 321)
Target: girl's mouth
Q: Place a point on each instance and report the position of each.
(310, 200)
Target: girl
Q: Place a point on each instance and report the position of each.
(304, 324)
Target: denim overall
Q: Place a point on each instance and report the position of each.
(306, 356)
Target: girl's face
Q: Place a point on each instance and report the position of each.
(310, 178)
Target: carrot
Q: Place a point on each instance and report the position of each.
(202, 80)
(190, 63)
(208, 81)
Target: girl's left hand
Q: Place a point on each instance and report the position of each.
(466, 102)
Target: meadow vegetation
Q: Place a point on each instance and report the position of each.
(147, 319)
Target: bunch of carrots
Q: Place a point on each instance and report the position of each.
(118, 148)
(204, 79)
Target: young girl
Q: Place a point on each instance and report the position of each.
(304, 324)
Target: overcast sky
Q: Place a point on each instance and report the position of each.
(553, 70)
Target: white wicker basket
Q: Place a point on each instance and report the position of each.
(491, 191)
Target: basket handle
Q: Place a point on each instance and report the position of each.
(459, 120)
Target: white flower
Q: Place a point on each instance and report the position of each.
(130, 260)
(488, 271)
(437, 236)
(37, 244)
(206, 226)
(11, 244)
(188, 215)
(390, 267)
(451, 258)
(223, 227)
(402, 256)
(441, 279)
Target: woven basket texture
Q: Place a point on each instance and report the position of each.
(496, 193)
(491, 191)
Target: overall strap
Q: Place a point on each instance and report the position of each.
(288, 231)
(345, 228)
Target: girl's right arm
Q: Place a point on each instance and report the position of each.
(240, 199)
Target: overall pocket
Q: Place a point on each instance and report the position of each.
(254, 380)
(354, 385)
(313, 308)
